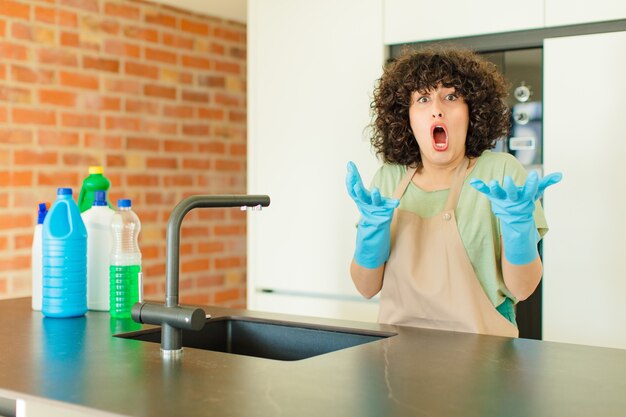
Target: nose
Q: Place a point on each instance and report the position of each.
(436, 109)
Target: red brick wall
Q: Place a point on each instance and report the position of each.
(155, 95)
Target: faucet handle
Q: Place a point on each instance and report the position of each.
(180, 317)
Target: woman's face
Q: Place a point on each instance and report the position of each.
(439, 120)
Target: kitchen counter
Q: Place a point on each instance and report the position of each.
(418, 372)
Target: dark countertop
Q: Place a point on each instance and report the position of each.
(416, 373)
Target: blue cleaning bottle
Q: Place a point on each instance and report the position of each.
(64, 259)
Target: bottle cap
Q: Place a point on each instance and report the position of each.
(95, 170)
(64, 191)
(100, 198)
(41, 212)
(124, 202)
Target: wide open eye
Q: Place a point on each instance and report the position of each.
(451, 97)
(422, 99)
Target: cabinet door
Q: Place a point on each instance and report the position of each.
(571, 12)
(312, 69)
(584, 137)
(420, 20)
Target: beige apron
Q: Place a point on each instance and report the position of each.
(429, 280)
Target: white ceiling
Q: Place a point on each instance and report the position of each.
(227, 9)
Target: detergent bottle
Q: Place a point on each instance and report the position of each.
(64, 245)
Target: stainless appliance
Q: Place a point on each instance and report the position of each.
(523, 70)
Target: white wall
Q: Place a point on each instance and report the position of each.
(584, 252)
(312, 69)
(571, 12)
(421, 20)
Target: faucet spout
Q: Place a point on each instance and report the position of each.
(172, 317)
(173, 231)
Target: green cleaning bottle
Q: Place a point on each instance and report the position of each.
(96, 181)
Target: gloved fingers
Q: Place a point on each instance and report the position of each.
(361, 194)
(351, 178)
(512, 191)
(530, 188)
(496, 191)
(479, 185)
(547, 181)
(380, 201)
(376, 199)
(353, 181)
(391, 203)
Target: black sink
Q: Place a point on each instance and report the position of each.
(269, 339)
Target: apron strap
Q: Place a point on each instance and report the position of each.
(397, 194)
(404, 183)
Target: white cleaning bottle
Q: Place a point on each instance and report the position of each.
(37, 258)
(99, 240)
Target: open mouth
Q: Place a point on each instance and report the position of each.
(440, 137)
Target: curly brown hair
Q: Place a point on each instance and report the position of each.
(477, 80)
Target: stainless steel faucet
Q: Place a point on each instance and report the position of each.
(172, 317)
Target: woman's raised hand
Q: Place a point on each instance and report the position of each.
(374, 228)
(514, 206)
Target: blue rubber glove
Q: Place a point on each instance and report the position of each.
(373, 236)
(514, 206)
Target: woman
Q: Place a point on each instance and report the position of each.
(459, 253)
